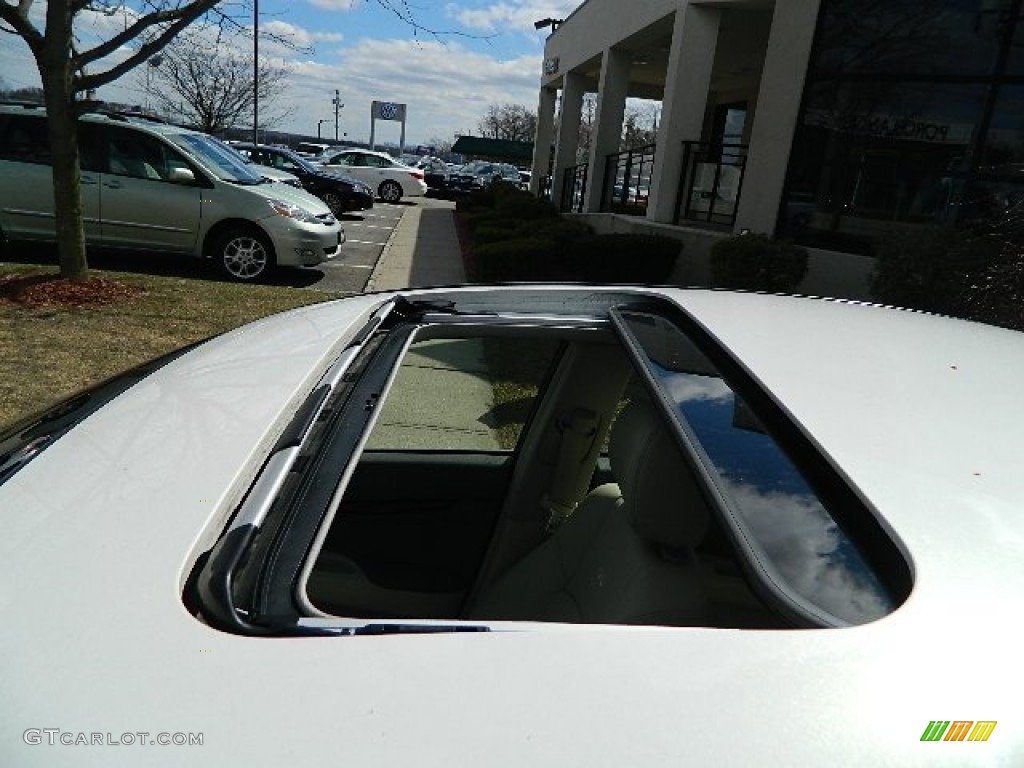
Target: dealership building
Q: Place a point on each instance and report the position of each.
(834, 123)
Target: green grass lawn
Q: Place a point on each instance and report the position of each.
(47, 353)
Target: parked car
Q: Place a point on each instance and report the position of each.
(267, 172)
(341, 192)
(435, 173)
(311, 149)
(152, 186)
(387, 527)
(480, 174)
(391, 179)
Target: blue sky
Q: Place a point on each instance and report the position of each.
(485, 52)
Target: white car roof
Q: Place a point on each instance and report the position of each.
(922, 414)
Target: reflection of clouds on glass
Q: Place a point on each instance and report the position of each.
(803, 543)
(687, 388)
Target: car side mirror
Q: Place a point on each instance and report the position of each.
(181, 176)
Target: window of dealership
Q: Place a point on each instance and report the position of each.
(913, 115)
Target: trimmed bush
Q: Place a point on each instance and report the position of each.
(562, 231)
(517, 237)
(996, 294)
(478, 199)
(931, 268)
(590, 259)
(623, 258)
(518, 204)
(757, 263)
(491, 230)
(520, 259)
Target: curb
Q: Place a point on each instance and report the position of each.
(385, 252)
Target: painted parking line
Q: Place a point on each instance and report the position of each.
(365, 242)
(355, 224)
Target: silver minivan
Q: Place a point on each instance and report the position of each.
(153, 186)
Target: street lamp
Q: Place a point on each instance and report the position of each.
(336, 101)
(553, 23)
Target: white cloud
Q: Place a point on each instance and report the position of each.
(514, 14)
(803, 543)
(335, 5)
(447, 87)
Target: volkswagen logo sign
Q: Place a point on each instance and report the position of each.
(388, 111)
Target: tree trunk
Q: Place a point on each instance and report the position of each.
(54, 61)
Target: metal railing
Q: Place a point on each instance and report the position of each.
(711, 182)
(627, 181)
(574, 187)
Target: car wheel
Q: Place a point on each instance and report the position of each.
(390, 191)
(244, 255)
(335, 203)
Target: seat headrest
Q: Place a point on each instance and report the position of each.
(657, 485)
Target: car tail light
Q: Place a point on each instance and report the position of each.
(417, 174)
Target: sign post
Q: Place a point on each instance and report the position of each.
(386, 110)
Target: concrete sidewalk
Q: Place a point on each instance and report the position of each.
(443, 395)
(423, 250)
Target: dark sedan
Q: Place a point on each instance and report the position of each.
(341, 193)
(480, 174)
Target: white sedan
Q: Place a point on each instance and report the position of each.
(544, 526)
(391, 179)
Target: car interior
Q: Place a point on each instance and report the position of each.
(594, 515)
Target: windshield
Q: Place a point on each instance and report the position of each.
(222, 161)
(300, 161)
(231, 150)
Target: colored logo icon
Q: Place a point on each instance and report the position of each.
(958, 730)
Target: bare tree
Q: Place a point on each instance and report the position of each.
(210, 84)
(638, 127)
(513, 122)
(63, 71)
(68, 72)
(442, 147)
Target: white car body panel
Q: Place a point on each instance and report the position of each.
(96, 640)
(374, 177)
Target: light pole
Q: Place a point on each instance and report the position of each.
(151, 63)
(318, 124)
(337, 108)
(255, 72)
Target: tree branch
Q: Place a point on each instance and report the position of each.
(17, 17)
(92, 81)
(181, 17)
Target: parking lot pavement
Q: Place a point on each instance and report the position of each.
(367, 233)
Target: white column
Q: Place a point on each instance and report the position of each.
(612, 90)
(573, 88)
(778, 107)
(545, 134)
(694, 39)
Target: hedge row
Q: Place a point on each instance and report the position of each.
(516, 237)
(976, 272)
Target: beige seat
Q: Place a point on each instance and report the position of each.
(625, 556)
